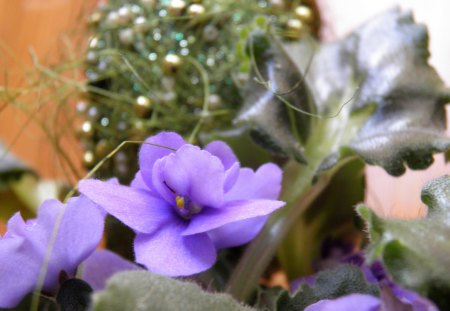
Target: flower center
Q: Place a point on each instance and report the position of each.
(186, 208)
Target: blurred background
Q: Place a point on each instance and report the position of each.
(45, 28)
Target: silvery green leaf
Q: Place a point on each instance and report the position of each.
(417, 252)
(143, 290)
(374, 94)
(276, 126)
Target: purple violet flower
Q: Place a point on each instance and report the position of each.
(25, 245)
(186, 203)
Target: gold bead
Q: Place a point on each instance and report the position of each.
(95, 18)
(171, 63)
(102, 148)
(295, 28)
(148, 4)
(176, 7)
(86, 129)
(214, 101)
(138, 132)
(126, 36)
(93, 42)
(88, 159)
(277, 4)
(196, 9)
(81, 107)
(124, 13)
(141, 24)
(113, 19)
(304, 13)
(142, 106)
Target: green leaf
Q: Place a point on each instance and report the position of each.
(372, 93)
(330, 216)
(142, 290)
(276, 125)
(267, 298)
(329, 284)
(417, 252)
(11, 168)
(20, 188)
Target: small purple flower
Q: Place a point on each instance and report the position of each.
(25, 244)
(186, 203)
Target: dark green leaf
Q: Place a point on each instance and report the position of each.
(25, 194)
(331, 284)
(267, 298)
(276, 125)
(10, 166)
(417, 252)
(374, 93)
(142, 290)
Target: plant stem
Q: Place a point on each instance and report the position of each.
(261, 251)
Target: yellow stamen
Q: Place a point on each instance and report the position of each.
(180, 202)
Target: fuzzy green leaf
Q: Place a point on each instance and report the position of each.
(142, 290)
(417, 252)
(276, 126)
(374, 94)
(329, 284)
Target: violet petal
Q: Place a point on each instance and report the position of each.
(203, 175)
(80, 231)
(139, 183)
(103, 264)
(18, 273)
(149, 154)
(237, 233)
(169, 253)
(210, 219)
(223, 152)
(265, 183)
(134, 207)
(231, 176)
(358, 302)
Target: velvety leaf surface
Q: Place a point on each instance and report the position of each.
(329, 284)
(417, 252)
(276, 126)
(142, 290)
(374, 92)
